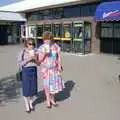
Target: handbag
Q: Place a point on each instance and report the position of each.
(19, 73)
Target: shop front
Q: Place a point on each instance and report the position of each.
(108, 18)
(73, 35)
(9, 33)
(72, 26)
(10, 23)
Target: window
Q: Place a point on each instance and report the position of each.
(39, 30)
(47, 27)
(67, 30)
(110, 30)
(87, 31)
(78, 31)
(117, 30)
(40, 15)
(88, 10)
(33, 16)
(92, 9)
(66, 12)
(106, 30)
(57, 30)
(84, 10)
(106, 33)
(47, 14)
(31, 31)
(58, 13)
(73, 11)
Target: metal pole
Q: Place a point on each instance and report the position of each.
(83, 42)
(36, 36)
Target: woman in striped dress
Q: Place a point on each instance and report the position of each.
(27, 61)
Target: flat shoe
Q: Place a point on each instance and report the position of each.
(32, 109)
(49, 107)
(55, 105)
(28, 111)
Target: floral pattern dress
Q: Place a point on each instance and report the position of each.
(52, 80)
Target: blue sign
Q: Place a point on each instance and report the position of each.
(108, 11)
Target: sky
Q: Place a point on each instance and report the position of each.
(5, 2)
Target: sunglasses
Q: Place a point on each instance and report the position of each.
(30, 44)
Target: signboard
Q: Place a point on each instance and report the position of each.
(23, 31)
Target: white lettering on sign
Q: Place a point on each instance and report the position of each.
(109, 13)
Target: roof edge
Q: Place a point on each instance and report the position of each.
(61, 5)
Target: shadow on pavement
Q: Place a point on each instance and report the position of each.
(40, 98)
(9, 89)
(118, 57)
(65, 94)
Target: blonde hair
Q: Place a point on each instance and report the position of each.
(47, 35)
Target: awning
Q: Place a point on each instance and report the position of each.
(108, 11)
(33, 5)
(11, 16)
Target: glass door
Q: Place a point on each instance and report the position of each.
(23, 31)
(78, 27)
(32, 31)
(39, 35)
(57, 30)
(87, 37)
(67, 36)
(48, 27)
(39, 31)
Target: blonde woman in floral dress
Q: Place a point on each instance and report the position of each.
(51, 67)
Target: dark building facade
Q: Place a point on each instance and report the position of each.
(10, 23)
(10, 32)
(108, 24)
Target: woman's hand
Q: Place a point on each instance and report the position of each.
(34, 57)
(60, 68)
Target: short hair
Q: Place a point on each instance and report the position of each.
(47, 35)
(29, 39)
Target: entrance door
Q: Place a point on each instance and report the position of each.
(110, 45)
(87, 37)
(3, 35)
(67, 36)
(110, 37)
(39, 35)
(48, 27)
(78, 38)
(116, 42)
(57, 30)
(106, 45)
